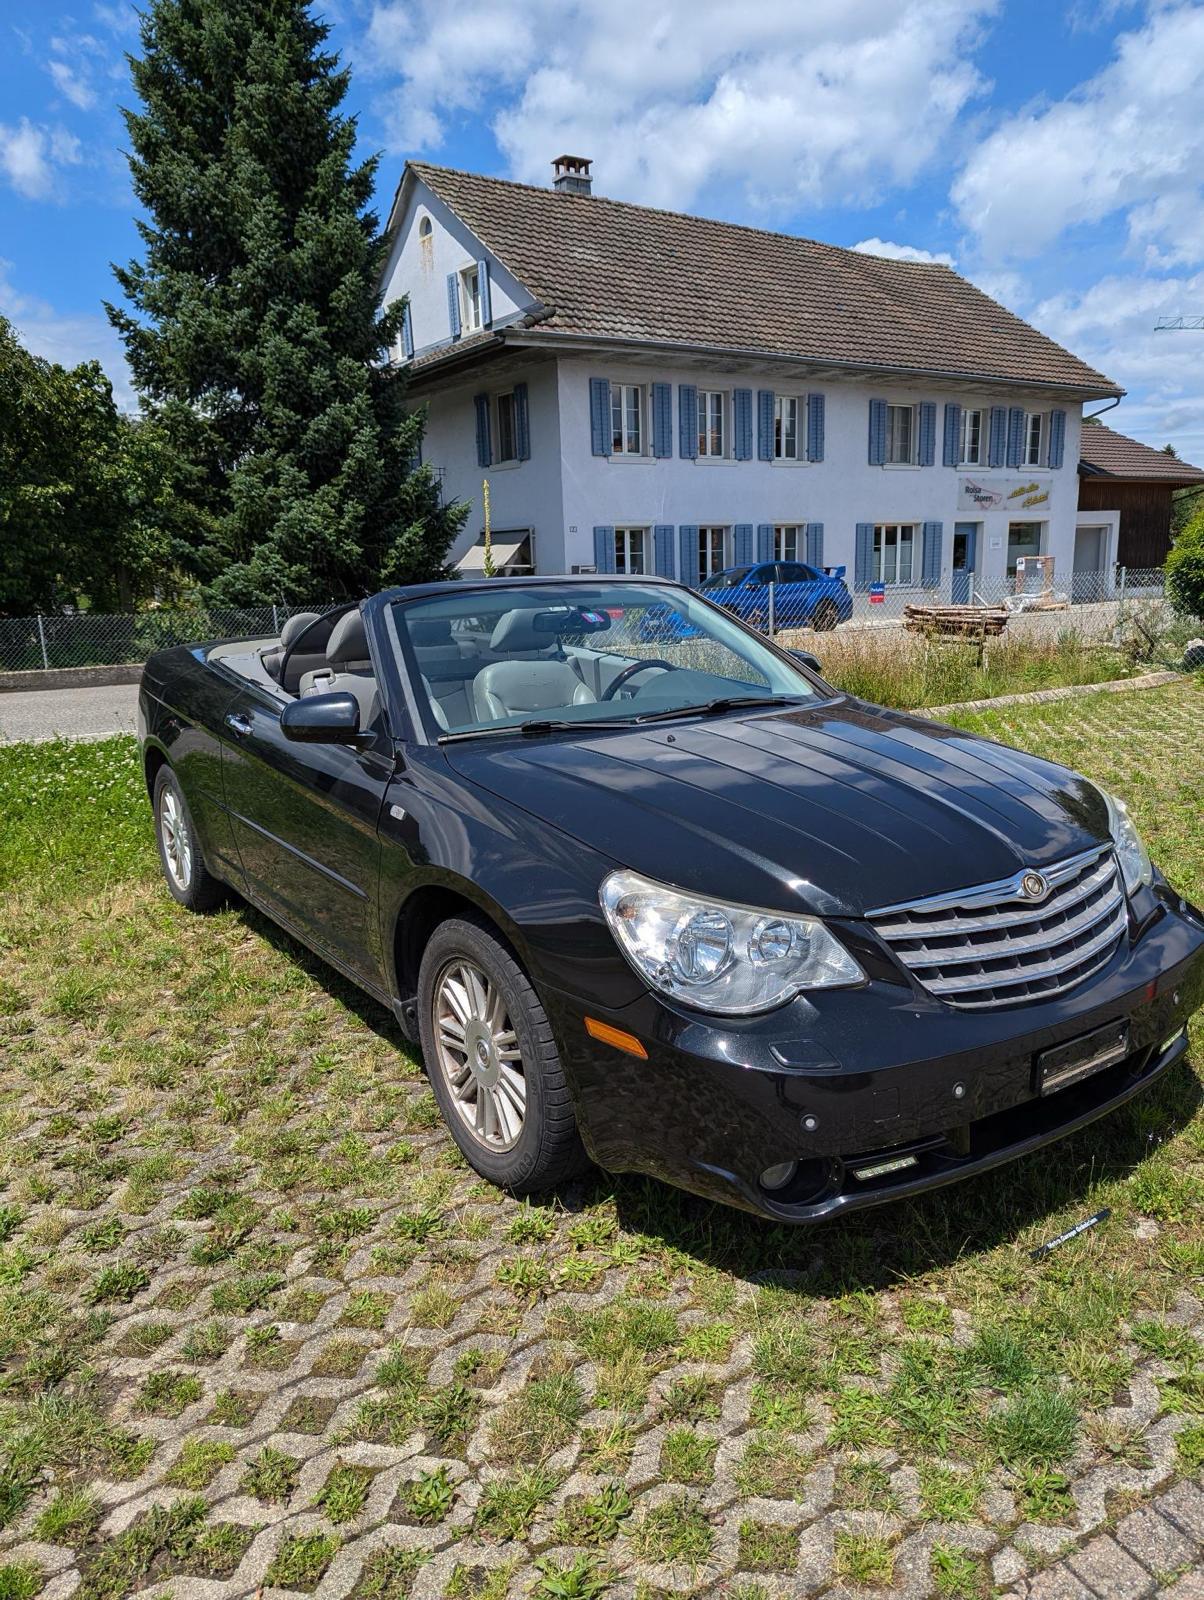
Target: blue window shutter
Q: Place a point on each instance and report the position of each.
(742, 430)
(407, 332)
(522, 422)
(662, 419)
(687, 542)
(599, 415)
(453, 304)
(863, 556)
(1057, 437)
(877, 456)
(930, 569)
(953, 434)
(815, 427)
(815, 545)
(743, 544)
(764, 541)
(927, 433)
(687, 421)
(764, 424)
(1015, 436)
(484, 448)
(604, 549)
(662, 549)
(997, 443)
(483, 291)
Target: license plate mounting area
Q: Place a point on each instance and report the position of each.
(1078, 1058)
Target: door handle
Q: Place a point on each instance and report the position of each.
(238, 723)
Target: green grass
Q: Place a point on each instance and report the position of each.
(201, 1127)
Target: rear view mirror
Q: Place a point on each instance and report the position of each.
(322, 719)
(808, 660)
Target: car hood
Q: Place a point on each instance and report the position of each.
(838, 808)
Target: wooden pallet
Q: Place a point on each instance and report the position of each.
(966, 621)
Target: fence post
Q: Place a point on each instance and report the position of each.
(275, 620)
(771, 625)
(42, 642)
(1124, 580)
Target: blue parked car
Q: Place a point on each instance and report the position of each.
(803, 596)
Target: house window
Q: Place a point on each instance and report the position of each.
(900, 435)
(627, 419)
(1034, 439)
(507, 436)
(712, 545)
(470, 293)
(424, 228)
(786, 439)
(1024, 539)
(630, 547)
(785, 544)
(710, 423)
(971, 447)
(894, 553)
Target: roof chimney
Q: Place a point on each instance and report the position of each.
(570, 174)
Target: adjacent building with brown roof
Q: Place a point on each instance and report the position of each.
(1120, 474)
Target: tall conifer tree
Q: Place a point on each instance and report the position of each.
(257, 332)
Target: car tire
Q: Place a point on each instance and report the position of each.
(476, 1043)
(188, 878)
(825, 616)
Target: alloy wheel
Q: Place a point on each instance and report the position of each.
(177, 845)
(479, 1054)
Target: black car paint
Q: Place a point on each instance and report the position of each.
(340, 845)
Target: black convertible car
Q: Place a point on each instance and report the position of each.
(647, 890)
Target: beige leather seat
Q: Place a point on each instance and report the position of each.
(348, 668)
(295, 625)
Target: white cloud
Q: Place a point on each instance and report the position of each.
(71, 83)
(833, 101)
(1131, 137)
(30, 155)
(67, 338)
(902, 252)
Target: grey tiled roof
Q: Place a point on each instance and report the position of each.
(1106, 453)
(608, 269)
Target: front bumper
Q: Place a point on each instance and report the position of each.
(857, 1077)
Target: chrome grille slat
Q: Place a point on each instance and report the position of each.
(972, 951)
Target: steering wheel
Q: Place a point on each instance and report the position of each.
(617, 682)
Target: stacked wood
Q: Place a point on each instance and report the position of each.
(965, 621)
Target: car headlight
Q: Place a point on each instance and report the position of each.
(720, 958)
(1133, 856)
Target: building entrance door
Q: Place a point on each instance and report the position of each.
(965, 542)
(1090, 546)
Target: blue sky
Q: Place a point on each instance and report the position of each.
(1052, 152)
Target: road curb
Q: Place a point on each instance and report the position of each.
(69, 678)
(1148, 680)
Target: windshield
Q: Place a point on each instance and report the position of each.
(731, 579)
(494, 659)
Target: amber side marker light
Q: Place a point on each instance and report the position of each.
(615, 1036)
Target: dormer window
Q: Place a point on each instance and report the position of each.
(470, 299)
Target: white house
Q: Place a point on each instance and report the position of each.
(646, 391)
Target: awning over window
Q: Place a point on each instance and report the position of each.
(507, 551)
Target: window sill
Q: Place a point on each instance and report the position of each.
(632, 460)
(791, 461)
(901, 466)
(504, 466)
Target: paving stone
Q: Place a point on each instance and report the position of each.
(1111, 1571)
(1189, 1587)
(1184, 1505)
(1059, 1583)
(1156, 1543)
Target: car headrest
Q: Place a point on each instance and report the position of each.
(427, 631)
(516, 630)
(348, 642)
(296, 625)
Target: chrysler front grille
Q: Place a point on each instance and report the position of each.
(1005, 943)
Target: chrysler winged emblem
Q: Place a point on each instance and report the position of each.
(1033, 886)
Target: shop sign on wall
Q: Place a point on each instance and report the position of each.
(1008, 494)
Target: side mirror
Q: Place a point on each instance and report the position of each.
(322, 719)
(808, 660)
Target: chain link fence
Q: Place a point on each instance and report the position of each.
(1092, 604)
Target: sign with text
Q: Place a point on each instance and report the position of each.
(1007, 494)
(877, 594)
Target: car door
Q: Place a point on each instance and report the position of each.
(305, 819)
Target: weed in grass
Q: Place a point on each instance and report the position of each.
(594, 1519)
(772, 1466)
(430, 1496)
(20, 1580)
(579, 1579)
(947, 1494)
(708, 1341)
(623, 1384)
(785, 1353)
(479, 1367)
(389, 1574)
(233, 1410)
(531, 1225)
(526, 1277)
(144, 1338)
(688, 1457)
(366, 1309)
(1165, 1340)
(539, 1419)
(301, 1305)
(267, 1351)
(781, 1407)
(434, 1307)
(70, 1518)
(199, 1462)
(1044, 1496)
(345, 1492)
(1189, 1447)
(340, 1358)
(272, 1476)
(608, 1449)
(863, 1558)
(999, 1357)
(168, 1393)
(627, 1325)
(479, 1583)
(677, 1529)
(119, 1282)
(307, 1414)
(958, 1575)
(767, 1547)
(300, 1560)
(693, 1398)
(509, 1505)
(864, 1486)
(1038, 1425)
(861, 1419)
(448, 1416)
(926, 1315)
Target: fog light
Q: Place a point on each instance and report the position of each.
(778, 1177)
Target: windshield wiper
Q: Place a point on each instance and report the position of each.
(537, 726)
(714, 708)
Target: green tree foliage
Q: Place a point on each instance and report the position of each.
(1185, 569)
(84, 490)
(257, 334)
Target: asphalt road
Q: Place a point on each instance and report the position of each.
(91, 713)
